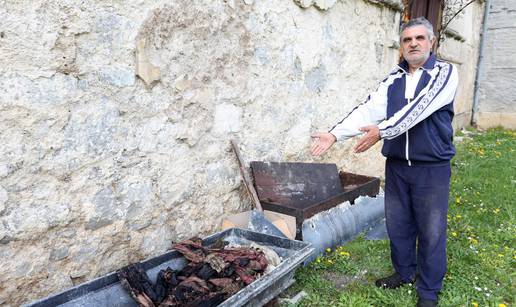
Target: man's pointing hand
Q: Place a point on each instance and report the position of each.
(322, 142)
(372, 135)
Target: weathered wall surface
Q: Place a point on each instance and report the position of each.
(460, 46)
(497, 81)
(116, 117)
(99, 169)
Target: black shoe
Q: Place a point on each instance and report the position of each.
(391, 282)
(421, 302)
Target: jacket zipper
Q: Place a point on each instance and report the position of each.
(407, 148)
(407, 143)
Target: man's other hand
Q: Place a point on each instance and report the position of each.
(322, 142)
(372, 135)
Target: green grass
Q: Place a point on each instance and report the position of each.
(481, 239)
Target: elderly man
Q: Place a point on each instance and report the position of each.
(412, 111)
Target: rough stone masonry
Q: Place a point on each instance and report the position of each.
(497, 95)
(116, 118)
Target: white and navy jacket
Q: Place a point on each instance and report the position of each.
(418, 130)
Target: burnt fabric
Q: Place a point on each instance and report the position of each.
(210, 276)
(166, 279)
(416, 206)
(134, 279)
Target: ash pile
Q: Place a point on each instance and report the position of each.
(211, 275)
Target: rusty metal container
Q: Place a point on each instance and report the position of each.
(302, 190)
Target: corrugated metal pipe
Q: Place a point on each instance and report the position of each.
(339, 225)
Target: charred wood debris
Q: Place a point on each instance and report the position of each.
(211, 275)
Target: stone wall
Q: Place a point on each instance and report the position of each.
(116, 118)
(497, 90)
(460, 46)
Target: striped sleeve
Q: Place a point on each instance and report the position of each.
(439, 92)
(370, 112)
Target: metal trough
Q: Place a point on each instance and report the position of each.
(107, 290)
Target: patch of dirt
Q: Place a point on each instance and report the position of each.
(341, 280)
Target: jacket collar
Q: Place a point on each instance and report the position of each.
(429, 64)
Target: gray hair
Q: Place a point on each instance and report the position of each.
(420, 21)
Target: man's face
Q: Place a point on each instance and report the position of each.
(415, 45)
